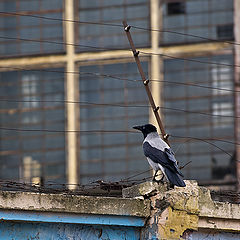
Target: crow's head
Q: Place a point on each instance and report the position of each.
(146, 129)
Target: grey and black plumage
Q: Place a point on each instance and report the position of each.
(160, 156)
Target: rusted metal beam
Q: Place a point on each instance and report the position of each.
(145, 82)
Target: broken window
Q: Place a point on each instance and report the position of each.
(176, 8)
(225, 31)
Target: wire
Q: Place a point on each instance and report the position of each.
(111, 49)
(73, 102)
(60, 19)
(72, 72)
(117, 25)
(66, 131)
(85, 104)
(185, 34)
(202, 113)
(190, 139)
(123, 79)
(55, 42)
(82, 103)
(101, 48)
(110, 131)
(191, 60)
(207, 139)
(138, 174)
(195, 85)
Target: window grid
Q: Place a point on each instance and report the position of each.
(32, 153)
(142, 21)
(196, 125)
(206, 18)
(135, 12)
(25, 27)
(108, 150)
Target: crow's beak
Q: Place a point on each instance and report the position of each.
(138, 128)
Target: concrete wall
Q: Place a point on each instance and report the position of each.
(212, 235)
(58, 216)
(186, 213)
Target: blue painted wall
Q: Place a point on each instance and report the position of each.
(62, 231)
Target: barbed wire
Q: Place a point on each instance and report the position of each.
(98, 188)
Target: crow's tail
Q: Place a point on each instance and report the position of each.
(174, 178)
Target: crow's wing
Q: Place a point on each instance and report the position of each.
(162, 158)
(166, 158)
(170, 154)
(171, 157)
(157, 156)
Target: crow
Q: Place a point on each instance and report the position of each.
(160, 156)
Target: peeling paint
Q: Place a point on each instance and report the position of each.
(46, 231)
(176, 223)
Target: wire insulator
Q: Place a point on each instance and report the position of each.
(136, 53)
(146, 82)
(156, 109)
(127, 28)
(166, 136)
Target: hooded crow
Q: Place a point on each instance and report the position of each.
(160, 156)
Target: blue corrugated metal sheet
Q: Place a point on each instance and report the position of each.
(63, 231)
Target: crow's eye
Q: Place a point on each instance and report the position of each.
(143, 127)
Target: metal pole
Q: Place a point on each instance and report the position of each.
(237, 88)
(72, 95)
(145, 82)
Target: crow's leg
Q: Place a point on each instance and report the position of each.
(154, 177)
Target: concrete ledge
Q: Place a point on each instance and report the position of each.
(185, 199)
(74, 204)
(215, 209)
(143, 190)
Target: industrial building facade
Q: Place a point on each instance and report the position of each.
(70, 90)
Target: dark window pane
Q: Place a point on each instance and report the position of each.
(176, 8)
(225, 31)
